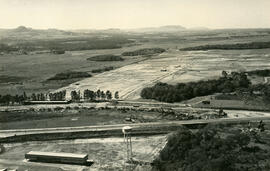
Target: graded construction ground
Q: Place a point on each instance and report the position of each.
(172, 67)
(107, 153)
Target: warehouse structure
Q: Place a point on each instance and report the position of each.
(50, 157)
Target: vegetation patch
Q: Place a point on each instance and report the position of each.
(237, 46)
(70, 75)
(7, 79)
(102, 69)
(145, 51)
(261, 73)
(59, 46)
(105, 58)
(184, 91)
(7, 48)
(215, 148)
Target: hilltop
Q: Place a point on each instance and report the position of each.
(161, 29)
(23, 32)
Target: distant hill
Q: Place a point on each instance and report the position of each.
(109, 31)
(168, 28)
(22, 29)
(23, 32)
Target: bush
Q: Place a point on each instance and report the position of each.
(102, 69)
(58, 52)
(105, 58)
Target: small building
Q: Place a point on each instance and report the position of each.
(51, 157)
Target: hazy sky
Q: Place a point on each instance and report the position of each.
(100, 14)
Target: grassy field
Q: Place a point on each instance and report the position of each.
(72, 117)
(29, 73)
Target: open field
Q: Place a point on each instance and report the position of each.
(107, 153)
(72, 117)
(89, 114)
(29, 73)
(173, 67)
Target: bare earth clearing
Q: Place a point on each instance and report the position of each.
(108, 153)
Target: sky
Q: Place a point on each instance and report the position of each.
(124, 14)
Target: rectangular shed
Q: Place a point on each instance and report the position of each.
(51, 157)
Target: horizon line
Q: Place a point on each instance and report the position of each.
(135, 28)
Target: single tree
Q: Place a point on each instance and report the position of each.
(103, 95)
(116, 95)
(98, 93)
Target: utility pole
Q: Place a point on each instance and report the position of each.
(127, 140)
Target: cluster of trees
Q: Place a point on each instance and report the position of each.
(106, 58)
(208, 150)
(9, 99)
(252, 45)
(70, 75)
(145, 51)
(93, 96)
(58, 96)
(184, 91)
(263, 88)
(102, 69)
(38, 97)
(20, 99)
(7, 48)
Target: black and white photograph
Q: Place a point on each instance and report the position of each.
(134, 85)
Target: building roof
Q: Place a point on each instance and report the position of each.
(72, 155)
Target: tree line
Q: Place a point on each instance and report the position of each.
(184, 91)
(20, 99)
(9, 99)
(93, 95)
(145, 51)
(87, 95)
(251, 45)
